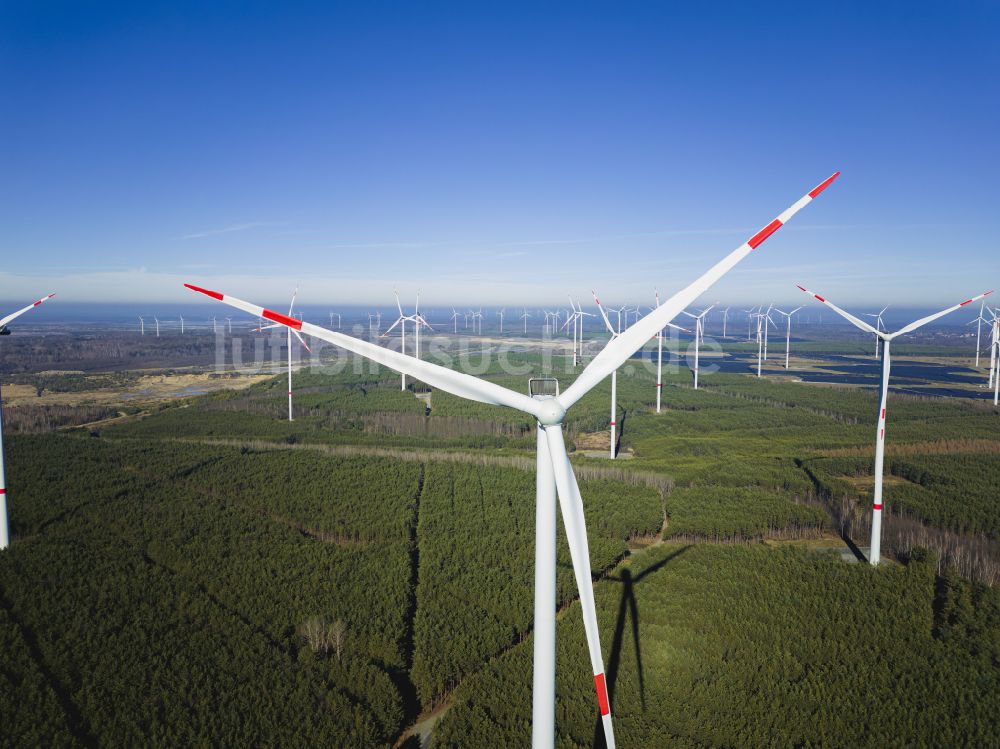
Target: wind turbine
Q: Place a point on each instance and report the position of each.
(769, 320)
(337, 315)
(887, 338)
(659, 353)
(454, 320)
(142, 326)
(788, 330)
(4, 528)
(979, 324)
(699, 334)
(576, 317)
(614, 375)
(228, 320)
(879, 325)
(763, 318)
(725, 317)
(554, 472)
(994, 346)
(750, 318)
(500, 315)
(215, 327)
(288, 343)
(182, 324)
(403, 318)
(157, 325)
(525, 317)
(995, 358)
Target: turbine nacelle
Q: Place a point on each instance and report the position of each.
(550, 411)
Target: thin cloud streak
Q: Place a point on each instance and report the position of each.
(228, 229)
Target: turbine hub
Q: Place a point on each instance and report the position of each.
(551, 412)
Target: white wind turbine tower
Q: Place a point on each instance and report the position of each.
(215, 326)
(500, 315)
(995, 358)
(4, 528)
(288, 343)
(142, 326)
(887, 338)
(525, 317)
(454, 320)
(699, 335)
(979, 325)
(155, 318)
(788, 330)
(229, 320)
(337, 315)
(614, 375)
(763, 318)
(659, 353)
(879, 325)
(751, 313)
(182, 324)
(725, 318)
(994, 346)
(576, 317)
(768, 320)
(554, 472)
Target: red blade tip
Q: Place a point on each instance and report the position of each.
(823, 185)
(206, 292)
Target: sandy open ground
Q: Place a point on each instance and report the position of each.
(148, 388)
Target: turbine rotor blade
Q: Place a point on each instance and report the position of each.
(21, 311)
(846, 315)
(302, 341)
(571, 504)
(604, 314)
(389, 329)
(931, 318)
(456, 383)
(631, 340)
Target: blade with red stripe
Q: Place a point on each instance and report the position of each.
(14, 315)
(631, 340)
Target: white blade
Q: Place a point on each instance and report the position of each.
(604, 314)
(931, 318)
(846, 315)
(20, 312)
(389, 329)
(571, 504)
(400, 306)
(290, 306)
(631, 340)
(456, 383)
(302, 341)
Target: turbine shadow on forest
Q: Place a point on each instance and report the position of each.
(628, 607)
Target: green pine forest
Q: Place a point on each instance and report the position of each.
(207, 573)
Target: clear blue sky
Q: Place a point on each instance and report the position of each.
(497, 153)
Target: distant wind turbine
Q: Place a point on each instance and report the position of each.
(699, 335)
(788, 330)
(886, 338)
(879, 325)
(288, 343)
